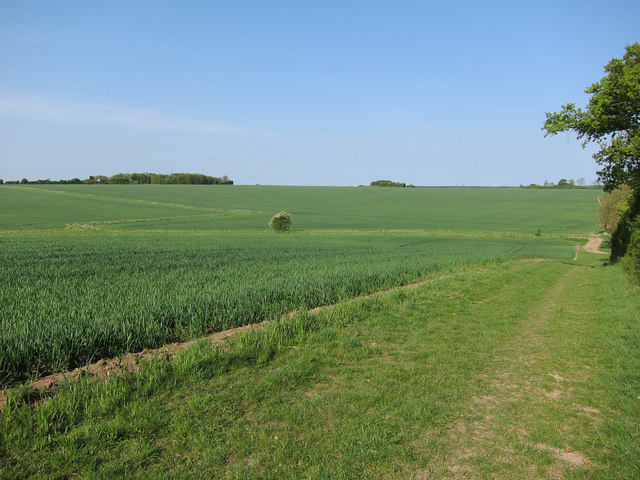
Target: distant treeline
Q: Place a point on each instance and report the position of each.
(564, 183)
(388, 183)
(136, 179)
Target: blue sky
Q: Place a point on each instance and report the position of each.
(302, 93)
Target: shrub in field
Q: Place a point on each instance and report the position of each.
(281, 222)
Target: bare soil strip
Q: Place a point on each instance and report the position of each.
(593, 245)
(131, 362)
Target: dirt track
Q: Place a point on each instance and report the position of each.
(593, 245)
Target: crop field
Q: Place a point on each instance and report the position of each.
(195, 207)
(98, 271)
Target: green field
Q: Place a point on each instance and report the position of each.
(204, 207)
(496, 367)
(97, 271)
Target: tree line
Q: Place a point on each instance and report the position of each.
(564, 183)
(134, 179)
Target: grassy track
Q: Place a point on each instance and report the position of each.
(524, 370)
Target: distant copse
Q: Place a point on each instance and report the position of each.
(388, 183)
(161, 179)
(564, 183)
(139, 179)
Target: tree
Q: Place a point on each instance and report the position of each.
(611, 120)
(563, 182)
(281, 222)
(581, 182)
(613, 206)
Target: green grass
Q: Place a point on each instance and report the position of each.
(497, 372)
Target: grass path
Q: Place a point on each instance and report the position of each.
(525, 370)
(525, 408)
(544, 407)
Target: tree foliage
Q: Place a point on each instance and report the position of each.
(140, 178)
(160, 178)
(281, 222)
(613, 206)
(611, 120)
(388, 183)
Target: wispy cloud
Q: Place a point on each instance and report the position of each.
(34, 107)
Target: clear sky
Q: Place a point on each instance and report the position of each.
(302, 93)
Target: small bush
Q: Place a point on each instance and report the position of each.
(538, 232)
(281, 222)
